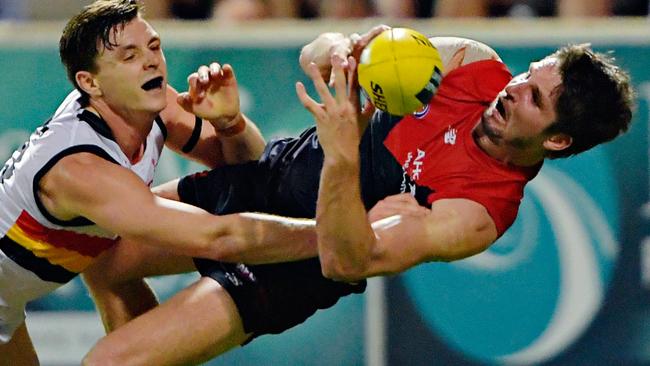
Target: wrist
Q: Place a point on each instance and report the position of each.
(233, 127)
(342, 165)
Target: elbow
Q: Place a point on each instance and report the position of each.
(344, 271)
(468, 244)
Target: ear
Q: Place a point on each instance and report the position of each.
(558, 141)
(87, 82)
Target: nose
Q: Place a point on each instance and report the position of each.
(514, 90)
(152, 60)
(511, 91)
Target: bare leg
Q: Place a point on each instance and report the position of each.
(116, 280)
(19, 350)
(195, 325)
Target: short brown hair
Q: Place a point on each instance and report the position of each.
(595, 100)
(98, 22)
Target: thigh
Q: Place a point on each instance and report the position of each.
(273, 298)
(195, 325)
(19, 350)
(129, 260)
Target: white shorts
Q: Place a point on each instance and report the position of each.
(17, 287)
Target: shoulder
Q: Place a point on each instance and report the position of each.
(79, 164)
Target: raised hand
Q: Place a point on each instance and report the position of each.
(212, 95)
(321, 50)
(356, 45)
(336, 117)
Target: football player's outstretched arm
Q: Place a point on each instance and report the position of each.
(117, 200)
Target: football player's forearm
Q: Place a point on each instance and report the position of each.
(257, 238)
(244, 146)
(345, 237)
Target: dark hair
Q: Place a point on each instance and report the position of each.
(595, 99)
(98, 22)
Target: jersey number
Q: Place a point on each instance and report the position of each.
(8, 169)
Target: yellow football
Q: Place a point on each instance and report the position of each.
(399, 71)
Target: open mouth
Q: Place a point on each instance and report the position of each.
(155, 83)
(501, 108)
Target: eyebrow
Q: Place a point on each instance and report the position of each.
(131, 46)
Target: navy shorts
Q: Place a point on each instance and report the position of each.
(270, 298)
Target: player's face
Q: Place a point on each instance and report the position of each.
(524, 109)
(133, 75)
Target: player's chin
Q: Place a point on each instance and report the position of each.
(155, 105)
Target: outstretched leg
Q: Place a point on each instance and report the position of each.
(195, 325)
(116, 280)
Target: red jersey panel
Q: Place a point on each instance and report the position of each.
(437, 152)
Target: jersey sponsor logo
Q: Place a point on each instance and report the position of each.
(233, 279)
(450, 136)
(412, 169)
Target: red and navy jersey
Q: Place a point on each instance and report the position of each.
(430, 153)
(437, 154)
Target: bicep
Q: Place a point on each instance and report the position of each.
(89, 186)
(454, 229)
(111, 196)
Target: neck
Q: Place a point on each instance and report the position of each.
(524, 156)
(130, 129)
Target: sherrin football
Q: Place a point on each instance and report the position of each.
(400, 71)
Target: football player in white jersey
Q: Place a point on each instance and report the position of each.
(83, 178)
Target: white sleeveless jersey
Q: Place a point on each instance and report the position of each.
(53, 250)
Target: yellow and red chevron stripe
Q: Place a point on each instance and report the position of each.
(52, 254)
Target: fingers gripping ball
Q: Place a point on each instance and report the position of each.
(400, 70)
